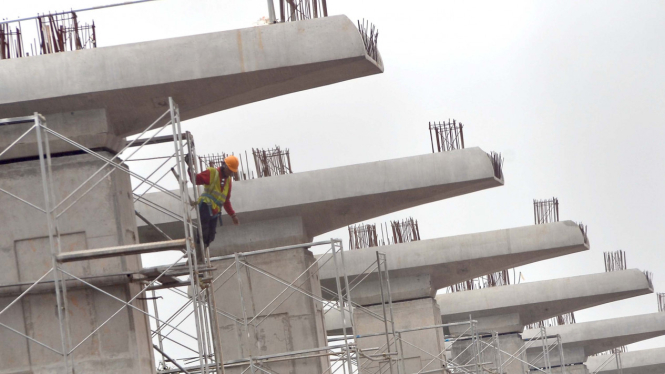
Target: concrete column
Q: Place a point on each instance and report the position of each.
(462, 354)
(296, 323)
(103, 218)
(408, 314)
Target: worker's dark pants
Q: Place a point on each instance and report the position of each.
(208, 227)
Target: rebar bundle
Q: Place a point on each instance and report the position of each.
(613, 351)
(270, 162)
(564, 319)
(58, 32)
(11, 42)
(362, 236)
(449, 136)
(216, 160)
(585, 232)
(62, 32)
(615, 261)
(649, 276)
(497, 164)
(546, 211)
(298, 10)
(370, 36)
(405, 231)
(500, 278)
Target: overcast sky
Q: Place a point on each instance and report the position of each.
(571, 93)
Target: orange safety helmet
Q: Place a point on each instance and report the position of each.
(232, 163)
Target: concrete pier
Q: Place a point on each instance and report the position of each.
(422, 350)
(290, 321)
(418, 269)
(104, 218)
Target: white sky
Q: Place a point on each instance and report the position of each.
(572, 93)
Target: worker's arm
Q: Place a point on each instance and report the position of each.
(229, 208)
(202, 178)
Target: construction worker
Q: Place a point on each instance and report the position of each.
(216, 194)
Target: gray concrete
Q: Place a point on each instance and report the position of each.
(292, 209)
(408, 315)
(582, 340)
(418, 269)
(296, 322)
(510, 308)
(204, 73)
(510, 344)
(89, 127)
(646, 361)
(104, 218)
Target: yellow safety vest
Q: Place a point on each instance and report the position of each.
(212, 194)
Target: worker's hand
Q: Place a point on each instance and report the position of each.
(235, 220)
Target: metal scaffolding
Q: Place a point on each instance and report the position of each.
(193, 278)
(208, 348)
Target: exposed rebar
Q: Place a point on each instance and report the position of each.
(448, 136)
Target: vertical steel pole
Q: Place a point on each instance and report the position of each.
(191, 254)
(244, 311)
(271, 11)
(398, 344)
(474, 339)
(159, 330)
(546, 353)
(562, 362)
(383, 306)
(498, 353)
(210, 292)
(63, 284)
(347, 287)
(50, 224)
(340, 298)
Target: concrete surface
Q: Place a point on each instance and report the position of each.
(296, 323)
(88, 127)
(204, 73)
(418, 269)
(294, 208)
(408, 315)
(510, 344)
(510, 308)
(103, 218)
(582, 340)
(646, 361)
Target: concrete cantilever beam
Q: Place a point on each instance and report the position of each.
(291, 209)
(204, 73)
(510, 308)
(418, 269)
(646, 361)
(582, 340)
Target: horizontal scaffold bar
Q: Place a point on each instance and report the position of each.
(124, 250)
